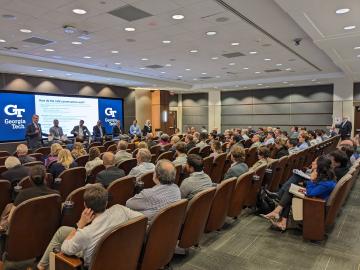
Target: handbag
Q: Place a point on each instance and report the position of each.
(264, 203)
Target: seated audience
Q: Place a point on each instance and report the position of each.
(350, 153)
(238, 166)
(121, 153)
(151, 200)
(181, 156)
(196, 137)
(174, 140)
(321, 185)
(340, 163)
(303, 144)
(192, 130)
(197, 180)
(54, 151)
(312, 138)
(291, 145)
(94, 223)
(144, 164)
(215, 148)
(270, 138)
(281, 149)
(319, 136)
(78, 150)
(111, 173)
(94, 159)
(164, 139)
(189, 140)
(177, 132)
(64, 162)
(149, 139)
(255, 141)
(142, 145)
(202, 138)
(263, 154)
(15, 171)
(294, 133)
(22, 154)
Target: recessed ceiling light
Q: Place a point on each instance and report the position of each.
(142, 68)
(168, 65)
(195, 79)
(178, 17)
(76, 42)
(215, 58)
(342, 10)
(318, 82)
(291, 84)
(68, 74)
(22, 73)
(356, 48)
(211, 33)
(51, 76)
(79, 11)
(232, 64)
(180, 76)
(358, 55)
(114, 51)
(267, 59)
(285, 82)
(40, 70)
(203, 73)
(194, 51)
(144, 59)
(288, 69)
(279, 65)
(2, 40)
(188, 69)
(130, 29)
(109, 79)
(25, 30)
(253, 52)
(87, 57)
(257, 72)
(350, 27)
(259, 84)
(267, 86)
(218, 76)
(162, 72)
(49, 50)
(235, 44)
(245, 68)
(166, 41)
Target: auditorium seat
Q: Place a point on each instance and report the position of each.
(134, 153)
(5, 194)
(112, 148)
(73, 207)
(205, 151)
(153, 158)
(277, 173)
(194, 150)
(2, 161)
(155, 149)
(107, 144)
(127, 165)
(2, 169)
(30, 230)
(162, 236)
(118, 249)
(131, 146)
(220, 205)
(81, 161)
(4, 154)
(91, 179)
(217, 169)
(94, 144)
(25, 182)
(208, 165)
(227, 165)
(247, 143)
(258, 177)
(166, 155)
(179, 170)
(43, 150)
(33, 163)
(70, 180)
(224, 147)
(147, 178)
(121, 190)
(251, 156)
(288, 169)
(196, 216)
(102, 149)
(240, 193)
(37, 156)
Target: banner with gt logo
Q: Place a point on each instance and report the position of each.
(16, 111)
(110, 110)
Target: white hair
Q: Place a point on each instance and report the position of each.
(11, 162)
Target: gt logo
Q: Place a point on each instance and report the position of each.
(13, 110)
(110, 112)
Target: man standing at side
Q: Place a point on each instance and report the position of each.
(345, 128)
(34, 133)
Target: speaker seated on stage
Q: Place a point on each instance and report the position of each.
(99, 132)
(80, 132)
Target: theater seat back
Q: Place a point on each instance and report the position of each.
(127, 165)
(217, 170)
(71, 215)
(71, 179)
(121, 190)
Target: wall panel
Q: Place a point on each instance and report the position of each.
(195, 110)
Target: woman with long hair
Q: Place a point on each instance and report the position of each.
(64, 162)
(78, 150)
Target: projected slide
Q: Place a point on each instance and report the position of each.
(16, 110)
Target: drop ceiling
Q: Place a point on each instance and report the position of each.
(266, 27)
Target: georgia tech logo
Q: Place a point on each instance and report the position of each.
(13, 110)
(110, 112)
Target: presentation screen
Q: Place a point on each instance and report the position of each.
(17, 110)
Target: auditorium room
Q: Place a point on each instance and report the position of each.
(179, 134)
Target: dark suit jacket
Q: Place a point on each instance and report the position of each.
(146, 130)
(96, 132)
(15, 174)
(33, 192)
(75, 131)
(344, 129)
(109, 175)
(116, 131)
(190, 145)
(34, 139)
(26, 159)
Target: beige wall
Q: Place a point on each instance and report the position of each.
(142, 106)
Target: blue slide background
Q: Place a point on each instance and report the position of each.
(16, 132)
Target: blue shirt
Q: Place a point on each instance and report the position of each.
(303, 146)
(135, 130)
(320, 189)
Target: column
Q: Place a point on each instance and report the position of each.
(142, 106)
(214, 103)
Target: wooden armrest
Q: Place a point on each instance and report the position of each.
(66, 262)
(313, 219)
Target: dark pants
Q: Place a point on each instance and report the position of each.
(294, 179)
(285, 202)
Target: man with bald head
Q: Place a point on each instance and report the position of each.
(111, 172)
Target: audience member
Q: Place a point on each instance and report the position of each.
(174, 140)
(255, 141)
(121, 154)
(263, 154)
(197, 180)
(15, 171)
(78, 150)
(270, 138)
(94, 223)
(181, 156)
(164, 139)
(22, 154)
(54, 152)
(64, 162)
(216, 148)
(189, 140)
(203, 137)
(151, 200)
(291, 145)
(350, 153)
(111, 173)
(144, 164)
(149, 139)
(281, 149)
(238, 166)
(340, 163)
(94, 159)
(142, 145)
(303, 144)
(294, 133)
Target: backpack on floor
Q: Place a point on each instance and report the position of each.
(264, 203)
